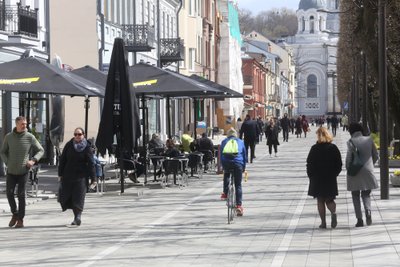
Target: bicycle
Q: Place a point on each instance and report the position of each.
(231, 197)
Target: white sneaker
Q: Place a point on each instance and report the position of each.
(276, 155)
(270, 155)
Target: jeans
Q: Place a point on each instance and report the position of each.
(237, 174)
(11, 183)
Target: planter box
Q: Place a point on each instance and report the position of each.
(394, 163)
(395, 180)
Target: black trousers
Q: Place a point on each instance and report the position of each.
(285, 134)
(275, 148)
(252, 146)
(11, 182)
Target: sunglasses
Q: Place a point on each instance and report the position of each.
(78, 134)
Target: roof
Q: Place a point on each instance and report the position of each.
(309, 4)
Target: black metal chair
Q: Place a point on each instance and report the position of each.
(196, 164)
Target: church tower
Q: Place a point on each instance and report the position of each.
(315, 46)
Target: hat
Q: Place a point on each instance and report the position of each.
(231, 132)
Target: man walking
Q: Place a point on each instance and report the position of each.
(15, 152)
(250, 130)
(285, 123)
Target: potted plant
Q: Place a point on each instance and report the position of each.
(395, 178)
(394, 161)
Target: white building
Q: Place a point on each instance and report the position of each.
(314, 47)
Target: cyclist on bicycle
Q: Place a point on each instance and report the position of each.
(233, 158)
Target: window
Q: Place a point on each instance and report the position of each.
(312, 88)
(312, 24)
(191, 9)
(192, 57)
(303, 24)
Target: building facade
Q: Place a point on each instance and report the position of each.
(314, 48)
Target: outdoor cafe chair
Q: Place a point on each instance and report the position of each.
(175, 167)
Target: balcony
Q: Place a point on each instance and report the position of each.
(18, 20)
(171, 50)
(138, 38)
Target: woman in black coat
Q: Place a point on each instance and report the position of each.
(76, 166)
(324, 163)
(271, 133)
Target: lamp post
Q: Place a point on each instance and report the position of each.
(383, 122)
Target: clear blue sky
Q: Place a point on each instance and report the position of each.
(255, 6)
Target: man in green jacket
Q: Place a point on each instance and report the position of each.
(20, 151)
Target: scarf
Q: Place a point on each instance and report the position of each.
(79, 147)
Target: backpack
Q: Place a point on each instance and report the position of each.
(231, 148)
(355, 161)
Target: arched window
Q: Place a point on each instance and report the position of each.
(312, 24)
(312, 88)
(303, 24)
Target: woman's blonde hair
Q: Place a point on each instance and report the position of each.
(323, 135)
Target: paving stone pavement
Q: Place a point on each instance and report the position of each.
(187, 227)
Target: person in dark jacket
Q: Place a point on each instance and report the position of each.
(250, 130)
(285, 124)
(324, 163)
(272, 132)
(299, 127)
(76, 166)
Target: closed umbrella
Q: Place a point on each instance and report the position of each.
(120, 116)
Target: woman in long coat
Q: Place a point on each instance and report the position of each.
(324, 163)
(364, 181)
(76, 166)
(271, 133)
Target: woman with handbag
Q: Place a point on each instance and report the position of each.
(76, 166)
(364, 180)
(324, 163)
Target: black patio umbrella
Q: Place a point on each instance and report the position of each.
(95, 76)
(227, 92)
(120, 116)
(153, 81)
(30, 75)
(92, 74)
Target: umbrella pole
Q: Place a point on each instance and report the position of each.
(87, 106)
(144, 122)
(195, 117)
(168, 118)
(121, 160)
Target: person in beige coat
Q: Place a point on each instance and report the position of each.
(364, 181)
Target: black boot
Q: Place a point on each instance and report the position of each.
(77, 217)
(368, 215)
(360, 223)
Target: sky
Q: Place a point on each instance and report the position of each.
(255, 6)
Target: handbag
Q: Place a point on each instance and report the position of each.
(355, 161)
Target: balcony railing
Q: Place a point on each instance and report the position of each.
(19, 20)
(138, 38)
(172, 50)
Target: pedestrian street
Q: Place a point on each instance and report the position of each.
(188, 226)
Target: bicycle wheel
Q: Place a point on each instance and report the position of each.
(231, 202)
